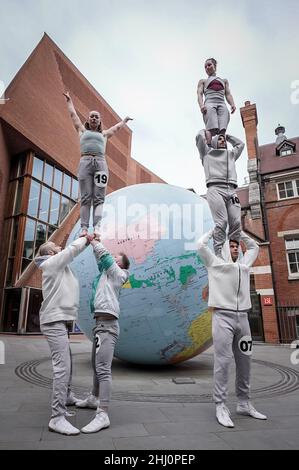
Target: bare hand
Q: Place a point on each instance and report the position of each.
(127, 118)
(232, 109)
(203, 109)
(90, 237)
(67, 95)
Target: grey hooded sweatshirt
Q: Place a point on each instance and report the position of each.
(59, 285)
(229, 282)
(219, 164)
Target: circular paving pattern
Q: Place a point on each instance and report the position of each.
(287, 382)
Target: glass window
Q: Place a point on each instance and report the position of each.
(25, 263)
(40, 235)
(14, 236)
(44, 204)
(57, 179)
(64, 208)
(54, 210)
(50, 231)
(75, 189)
(48, 174)
(286, 189)
(66, 185)
(72, 204)
(9, 271)
(297, 187)
(33, 198)
(292, 248)
(19, 194)
(37, 170)
(29, 239)
(22, 164)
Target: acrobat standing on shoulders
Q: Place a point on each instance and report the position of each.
(211, 93)
(93, 173)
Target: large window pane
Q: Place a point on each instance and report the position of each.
(19, 194)
(54, 211)
(44, 204)
(50, 231)
(33, 198)
(37, 170)
(48, 174)
(40, 236)
(64, 209)
(29, 239)
(66, 185)
(22, 164)
(75, 189)
(14, 236)
(9, 272)
(25, 263)
(57, 179)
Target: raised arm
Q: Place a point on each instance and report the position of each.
(252, 250)
(110, 132)
(66, 256)
(237, 144)
(200, 90)
(229, 97)
(74, 116)
(201, 144)
(204, 251)
(106, 261)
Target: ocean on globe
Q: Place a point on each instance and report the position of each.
(164, 317)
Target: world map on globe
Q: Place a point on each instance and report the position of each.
(164, 318)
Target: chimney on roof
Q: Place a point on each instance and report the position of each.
(279, 131)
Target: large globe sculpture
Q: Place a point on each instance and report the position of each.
(164, 318)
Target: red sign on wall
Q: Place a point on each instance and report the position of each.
(267, 301)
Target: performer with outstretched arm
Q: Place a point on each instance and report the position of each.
(113, 273)
(93, 173)
(229, 296)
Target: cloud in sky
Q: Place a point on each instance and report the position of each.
(145, 59)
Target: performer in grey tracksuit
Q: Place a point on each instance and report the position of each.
(113, 273)
(221, 180)
(93, 171)
(60, 305)
(214, 110)
(229, 296)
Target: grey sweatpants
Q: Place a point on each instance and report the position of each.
(216, 117)
(105, 333)
(231, 337)
(226, 210)
(56, 334)
(93, 178)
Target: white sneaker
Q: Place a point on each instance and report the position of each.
(223, 415)
(246, 408)
(71, 399)
(62, 426)
(100, 421)
(89, 402)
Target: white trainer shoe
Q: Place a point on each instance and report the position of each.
(100, 421)
(246, 408)
(223, 415)
(71, 399)
(62, 426)
(89, 402)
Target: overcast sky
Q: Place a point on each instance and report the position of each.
(145, 58)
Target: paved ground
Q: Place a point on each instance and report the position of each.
(149, 411)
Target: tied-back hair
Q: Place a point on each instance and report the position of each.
(125, 260)
(99, 128)
(214, 61)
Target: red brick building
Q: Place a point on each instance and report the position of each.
(39, 156)
(270, 212)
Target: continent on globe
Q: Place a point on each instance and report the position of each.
(164, 315)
